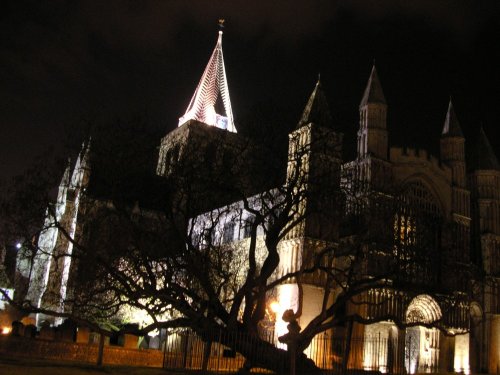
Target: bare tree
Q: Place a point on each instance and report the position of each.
(216, 272)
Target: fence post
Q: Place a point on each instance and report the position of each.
(292, 358)
(100, 352)
(164, 350)
(218, 350)
(186, 344)
(206, 355)
(409, 355)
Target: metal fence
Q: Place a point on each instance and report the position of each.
(186, 350)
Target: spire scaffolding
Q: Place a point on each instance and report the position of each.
(212, 91)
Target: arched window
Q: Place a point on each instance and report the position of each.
(417, 234)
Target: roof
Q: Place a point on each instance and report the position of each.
(482, 156)
(451, 126)
(317, 109)
(373, 91)
(211, 95)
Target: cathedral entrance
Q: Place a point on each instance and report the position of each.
(422, 343)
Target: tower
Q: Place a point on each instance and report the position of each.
(484, 180)
(452, 147)
(314, 159)
(371, 170)
(51, 265)
(313, 179)
(372, 133)
(452, 150)
(208, 114)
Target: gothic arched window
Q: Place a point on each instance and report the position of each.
(417, 234)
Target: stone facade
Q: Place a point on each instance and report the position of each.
(459, 200)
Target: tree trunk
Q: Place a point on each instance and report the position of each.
(347, 350)
(260, 353)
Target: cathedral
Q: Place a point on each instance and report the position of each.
(453, 200)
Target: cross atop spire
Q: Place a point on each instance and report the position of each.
(373, 91)
(210, 103)
(451, 126)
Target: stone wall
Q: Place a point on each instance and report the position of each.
(67, 351)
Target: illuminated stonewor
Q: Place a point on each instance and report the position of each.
(51, 265)
(430, 240)
(212, 95)
(447, 220)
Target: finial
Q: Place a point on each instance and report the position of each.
(221, 24)
(319, 77)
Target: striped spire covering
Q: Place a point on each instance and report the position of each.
(212, 95)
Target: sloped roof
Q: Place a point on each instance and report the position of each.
(317, 109)
(482, 156)
(373, 91)
(451, 126)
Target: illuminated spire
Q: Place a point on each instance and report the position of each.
(212, 92)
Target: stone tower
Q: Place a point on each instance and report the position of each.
(51, 265)
(452, 150)
(314, 160)
(372, 133)
(372, 167)
(484, 180)
(313, 174)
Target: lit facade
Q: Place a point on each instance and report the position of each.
(458, 201)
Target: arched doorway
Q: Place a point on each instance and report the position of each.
(422, 343)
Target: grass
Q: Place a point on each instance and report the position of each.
(15, 366)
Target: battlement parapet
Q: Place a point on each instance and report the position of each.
(409, 154)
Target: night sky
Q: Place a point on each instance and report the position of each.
(67, 64)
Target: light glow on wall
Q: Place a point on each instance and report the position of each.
(461, 360)
(287, 299)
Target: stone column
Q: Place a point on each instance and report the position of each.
(494, 352)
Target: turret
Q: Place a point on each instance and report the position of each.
(452, 147)
(372, 133)
(314, 160)
(484, 177)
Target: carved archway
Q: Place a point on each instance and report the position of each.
(422, 343)
(423, 309)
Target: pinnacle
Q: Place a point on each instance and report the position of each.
(317, 109)
(451, 126)
(373, 91)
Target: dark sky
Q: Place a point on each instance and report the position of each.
(65, 64)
